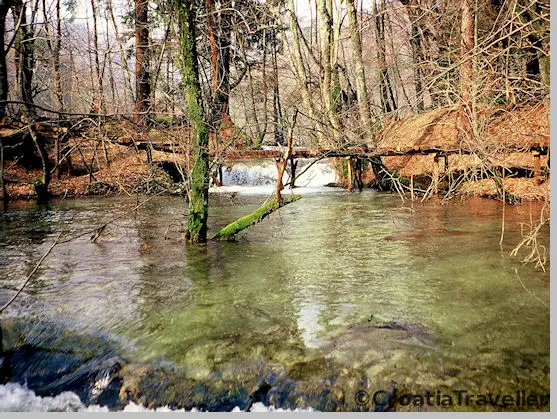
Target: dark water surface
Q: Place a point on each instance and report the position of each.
(335, 294)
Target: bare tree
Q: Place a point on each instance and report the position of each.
(142, 78)
(361, 86)
(5, 6)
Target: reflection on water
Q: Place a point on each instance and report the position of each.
(304, 285)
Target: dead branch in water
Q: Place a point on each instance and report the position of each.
(96, 234)
(538, 252)
(528, 291)
(41, 260)
(97, 231)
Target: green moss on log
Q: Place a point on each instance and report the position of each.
(255, 217)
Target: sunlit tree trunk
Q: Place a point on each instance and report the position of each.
(466, 47)
(361, 87)
(325, 27)
(293, 47)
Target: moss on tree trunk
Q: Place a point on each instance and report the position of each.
(199, 176)
(228, 232)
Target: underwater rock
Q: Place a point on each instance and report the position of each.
(50, 373)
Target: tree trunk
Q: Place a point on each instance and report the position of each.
(361, 87)
(211, 27)
(388, 102)
(466, 47)
(5, 197)
(4, 8)
(199, 176)
(297, 60)
(99, 104)
(57, 83)
(253, 126)
(278, 130)
(142, 79)
(426, 37)
(126, 71)
(25, 47)
(41, 184)
(325, 24)
(350, 176)
(220, 34)
(418, 56)
(264, 82)
(219, 28)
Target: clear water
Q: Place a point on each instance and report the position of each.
(306, 293)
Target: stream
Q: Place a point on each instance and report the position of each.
(340, 301)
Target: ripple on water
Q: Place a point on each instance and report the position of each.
(297, 287)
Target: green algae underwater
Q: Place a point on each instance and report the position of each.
(338, 302)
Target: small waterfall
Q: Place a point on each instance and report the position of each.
(262, 174)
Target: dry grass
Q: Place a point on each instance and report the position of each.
(424, 164)
(505, 137)
(517, 128)
(523, 188)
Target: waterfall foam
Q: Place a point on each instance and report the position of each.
(259, 176)
(17, 398)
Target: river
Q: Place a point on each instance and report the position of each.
(340, 301)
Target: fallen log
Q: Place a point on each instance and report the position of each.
(270, 206)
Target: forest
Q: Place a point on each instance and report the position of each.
(403, 144)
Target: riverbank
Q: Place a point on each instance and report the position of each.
(128, 172)
(511, 153)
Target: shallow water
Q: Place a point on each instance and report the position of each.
(338, 291)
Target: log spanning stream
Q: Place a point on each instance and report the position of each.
(341, 301)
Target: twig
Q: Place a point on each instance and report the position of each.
(41, 260)
(100, 229)
(528, 291)
(97, 232)
(503, 218)
(531, 239)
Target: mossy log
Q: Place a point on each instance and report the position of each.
(228, 232)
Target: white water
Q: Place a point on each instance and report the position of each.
(17, 398)
(259, 176)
